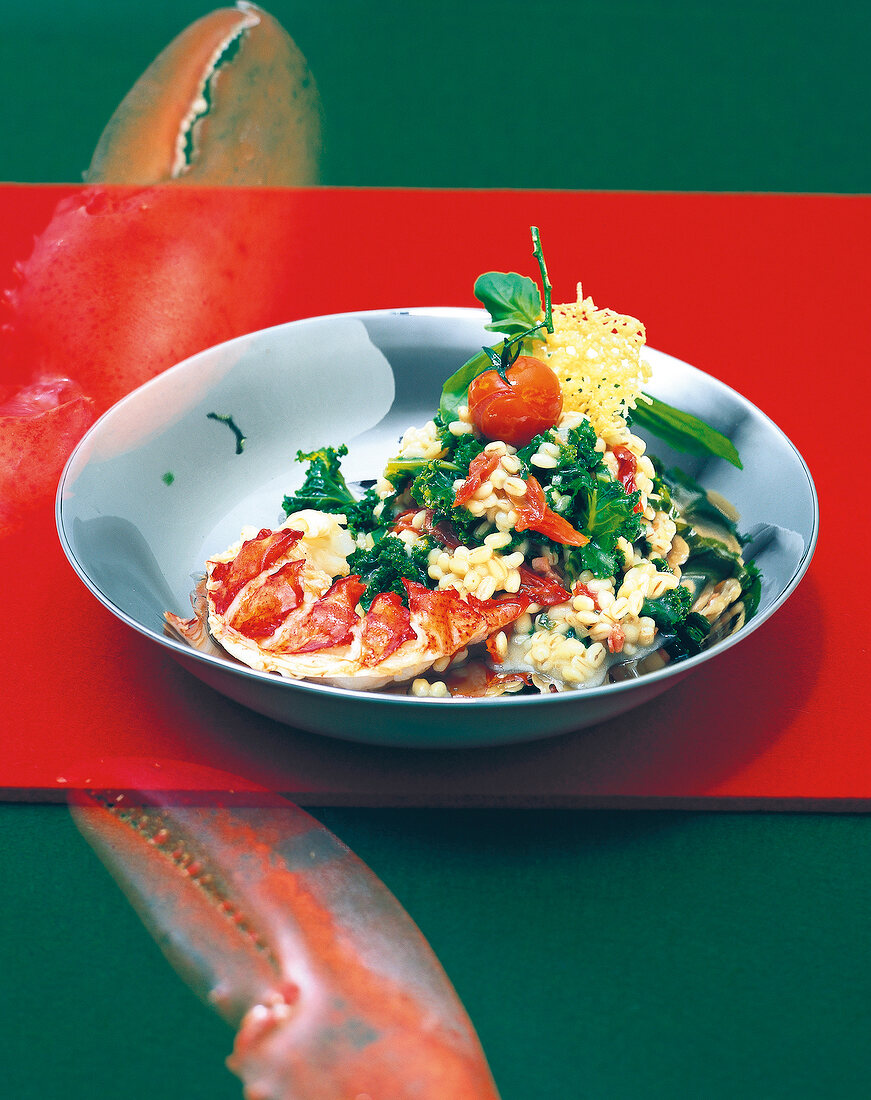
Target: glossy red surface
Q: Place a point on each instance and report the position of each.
(761, 291)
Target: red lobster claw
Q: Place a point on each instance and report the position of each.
(135, 273)
(230, 101)
(292, 939)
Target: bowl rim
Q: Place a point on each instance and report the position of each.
(571, 696)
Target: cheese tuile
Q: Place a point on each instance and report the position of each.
(596, 354)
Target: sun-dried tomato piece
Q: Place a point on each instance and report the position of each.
(531, 508)
(541, 590)
(627, 469)
(534, 514)
(557, 529)
(580, 589)
(480, 469)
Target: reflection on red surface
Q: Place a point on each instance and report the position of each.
(40, 423)
(121, 284)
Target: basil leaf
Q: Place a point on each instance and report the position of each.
(512, 300)
(683, 431)
(455, 390)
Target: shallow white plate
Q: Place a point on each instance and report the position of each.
(156, 487)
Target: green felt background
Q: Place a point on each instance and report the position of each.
(600, 954)
(609, 955)
(673, 95)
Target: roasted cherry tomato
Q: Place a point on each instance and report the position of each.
(516, 411)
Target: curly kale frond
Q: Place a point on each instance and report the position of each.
(323, 487)
(605, 512)
(671, 612)
(669, 609)
(577, 452)
(690, 637)
(382, 568)
(433, 488)
(325, 490)
(466, 450)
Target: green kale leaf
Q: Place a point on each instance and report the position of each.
(669, 609)
(382, 568)
(610, 512)
(605, 512)
(671, 612)
(711, 561)
(690, 637)
(323, 487)
(434, 488)
(577, 452)
(325, 490)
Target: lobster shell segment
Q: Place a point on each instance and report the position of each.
(280, 928)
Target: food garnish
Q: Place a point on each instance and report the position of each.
(520, 541)
(225, 418)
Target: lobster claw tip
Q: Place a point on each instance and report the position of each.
(294, 941)
(230, 100)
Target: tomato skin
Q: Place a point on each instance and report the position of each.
(515, 412)
(627, 468)
(535, 515)
(541, 590)
(480, 469)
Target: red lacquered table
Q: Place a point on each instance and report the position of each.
(761, 291)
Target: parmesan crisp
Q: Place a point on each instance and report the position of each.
(596, 354)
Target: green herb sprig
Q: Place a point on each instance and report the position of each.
(514, 304)
(682, 431)
(225, 418)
